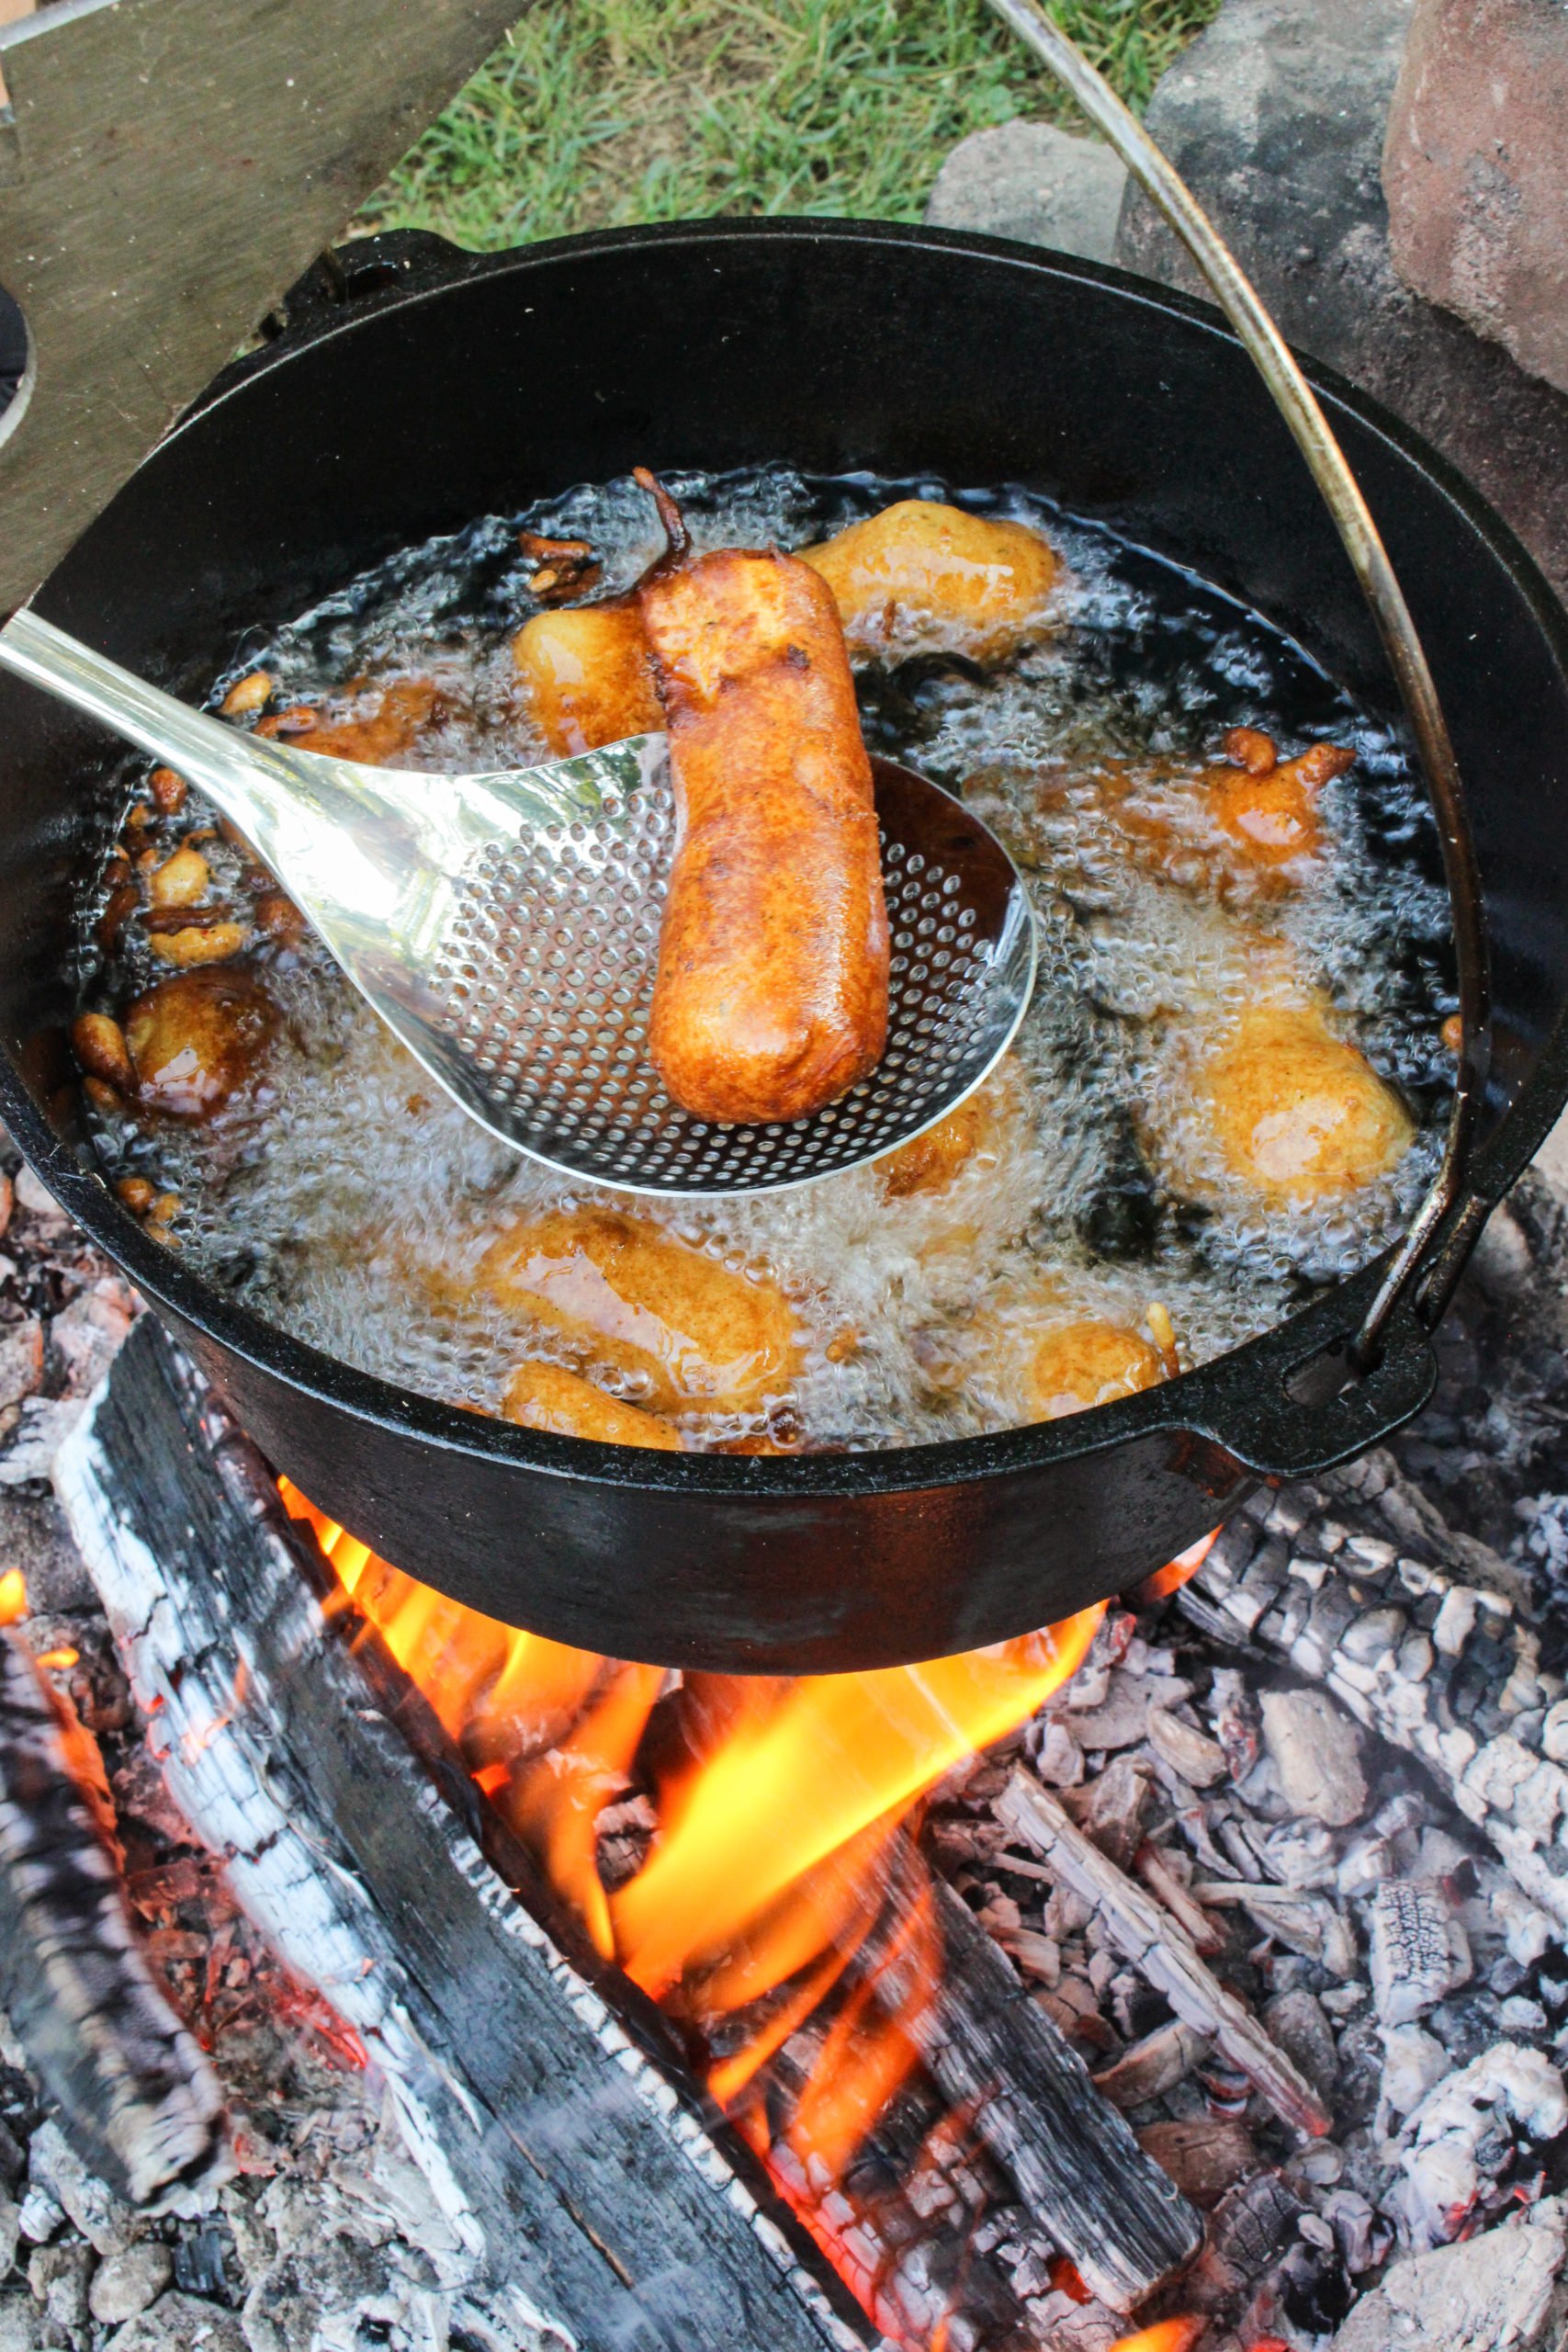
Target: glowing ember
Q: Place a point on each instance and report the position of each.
(63, 1656)
(773, 1896)
(13, 1597)
(1166, 2336)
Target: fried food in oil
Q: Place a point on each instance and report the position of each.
(772, 991)
(1267, 808)
(1292, 1112)
(195, 1039)
(929, 1162)
(547, 1396)
(1082, 1365)
(921, 575)
(98, 1044)
(588, 676)
(403, 710)
(636, 1301)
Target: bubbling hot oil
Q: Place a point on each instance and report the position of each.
(348, 1201)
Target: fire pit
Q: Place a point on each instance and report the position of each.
(1193, 1977)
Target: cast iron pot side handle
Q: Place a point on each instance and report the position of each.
(1431, 1228)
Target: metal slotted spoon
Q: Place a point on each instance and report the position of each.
(506, 928)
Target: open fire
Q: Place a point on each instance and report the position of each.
(767, 1887)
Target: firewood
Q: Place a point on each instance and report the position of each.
(137, 2096)
(560, 2148)
(1150, 1937)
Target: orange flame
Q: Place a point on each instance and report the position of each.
(63, 1656)
(764, 1903)
(1175, 1573)
(13, 1597)
(1166, 2336)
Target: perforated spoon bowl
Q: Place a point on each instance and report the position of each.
(506, 928)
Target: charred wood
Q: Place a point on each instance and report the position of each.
(1415, 1628)
(1110, 2207)
(549, 2135)
(1147, 1935)
(137, 2099)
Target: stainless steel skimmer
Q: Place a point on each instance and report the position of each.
(506, 928)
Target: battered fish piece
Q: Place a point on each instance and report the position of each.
(547, 1396)
(921, 576)
(194, 1040)
(588, 676)
(1293, 1113)
(1080, 1366)
(772, 993)
(636, 1301)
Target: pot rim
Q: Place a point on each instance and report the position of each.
(411, 270)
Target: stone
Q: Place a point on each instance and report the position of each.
(177, 2323)
(1493, 2293)
(1298, 2023)
(127, 2283)
(1475, 171)
(1034, 183)
(1315, 1751)
(1418, 1950)
(1206, 2155)
(1275, 117)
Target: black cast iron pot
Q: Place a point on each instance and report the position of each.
(416, 388)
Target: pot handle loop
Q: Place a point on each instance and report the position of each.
(1297, 404)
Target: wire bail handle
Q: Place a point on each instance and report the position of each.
(1298, 404)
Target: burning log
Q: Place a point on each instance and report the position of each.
(1112, 2210)
(549, 2137)
(137, 2099)
(1344, 1583)
(1150, 1937)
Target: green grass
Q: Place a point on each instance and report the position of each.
(598, 112)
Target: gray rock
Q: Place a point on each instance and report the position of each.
(127, 2283)
(180, 2323)
(1276, 116)
(1493, 2293)
(1315, 1751)
(1034, 183)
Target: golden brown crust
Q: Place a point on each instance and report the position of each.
(1083, 1364)
(195, 1039)
(547, 1396)
(588, 676)
(922, 574)
(1293, 1111)
(772, 991)
(636, 1301)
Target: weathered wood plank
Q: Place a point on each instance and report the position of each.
(592, 2174)
(171, 168)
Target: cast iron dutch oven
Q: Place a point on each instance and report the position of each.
(415, 387)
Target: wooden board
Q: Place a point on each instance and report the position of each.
(167, 169)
